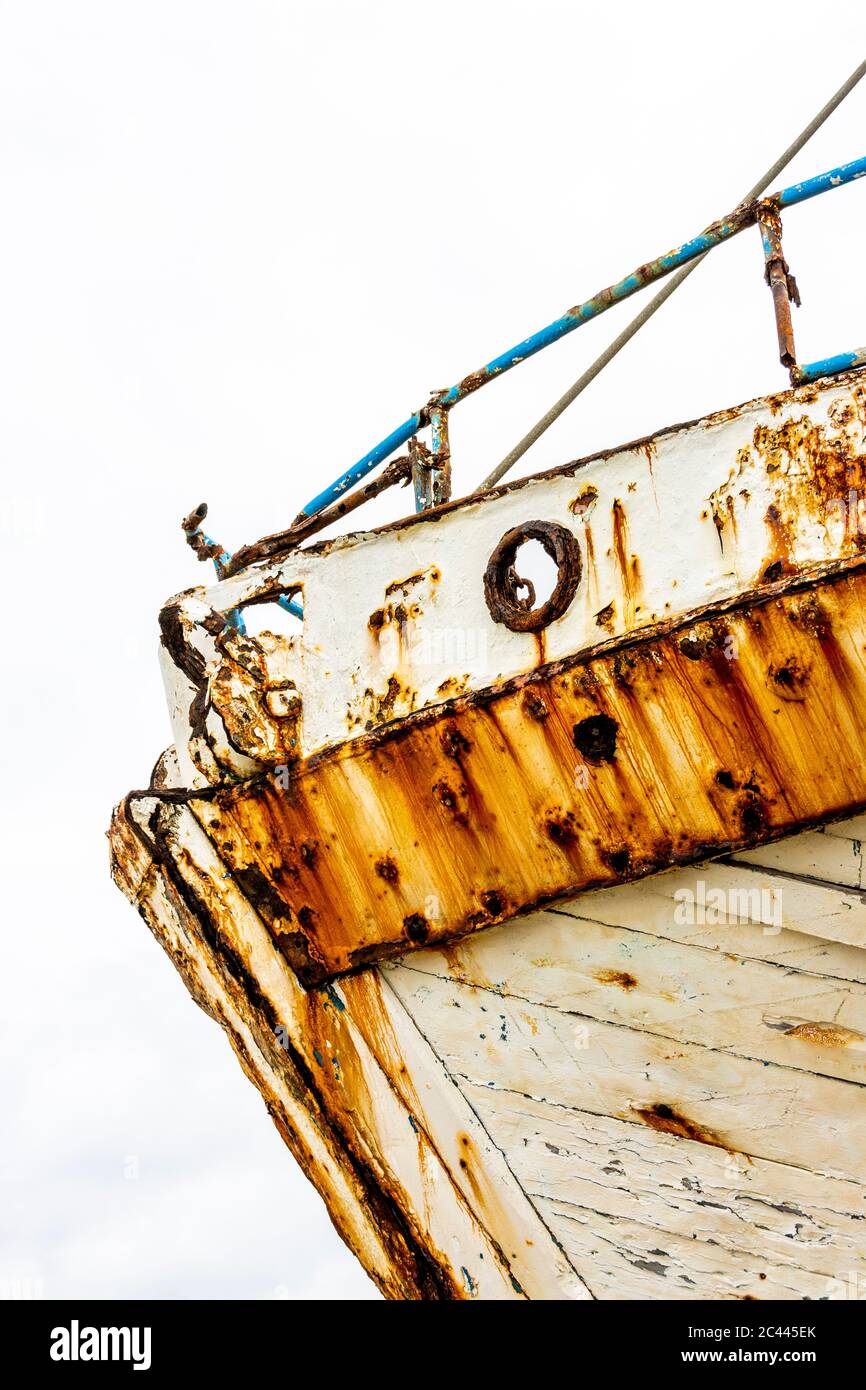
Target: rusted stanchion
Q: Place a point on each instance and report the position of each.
(422, 473)
(441, 449)
(782, 283)
(431, 467)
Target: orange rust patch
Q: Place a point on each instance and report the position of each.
(416, 927)
(584, 502)
(605, 617)
(789, 678)
(819, 475)
(616, 977)
(382, 707)
(400, 586)
(386, 868)
(561, 827)
(452, 685)
(590, 572)
(534, 705)
(809, 614)
(704, 639)
(669, 1121)
(826, 1034)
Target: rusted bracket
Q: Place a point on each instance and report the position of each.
(782, 283)
(204, 547)
(431, 467)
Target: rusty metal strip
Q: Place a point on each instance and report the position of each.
(398, 471)
(737, 729)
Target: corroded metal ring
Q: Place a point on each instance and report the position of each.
(501, 583)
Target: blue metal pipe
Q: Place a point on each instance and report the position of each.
(829, 366)
(290, 606)
(401, 435)
(821, 183)
(713, 236)
(235, 618)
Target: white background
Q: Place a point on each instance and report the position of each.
(239, 243)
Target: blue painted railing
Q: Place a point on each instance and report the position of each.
(713, 236)
(435, 412)
(829, 366)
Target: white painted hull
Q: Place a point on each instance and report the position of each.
(590, 1039)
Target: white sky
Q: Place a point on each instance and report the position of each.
(240, 242)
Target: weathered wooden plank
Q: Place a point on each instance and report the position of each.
(683, 992)
(762, 1212)
(631, 1260)
(809, 926)
(853, 828)
(739, 1104)
(831, 859)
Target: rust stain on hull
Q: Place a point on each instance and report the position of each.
(826, 1035)
(667, 1120)
(665, 751)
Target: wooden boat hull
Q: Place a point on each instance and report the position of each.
(646, 1091)
(644, 1077)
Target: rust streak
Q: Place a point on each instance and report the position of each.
(627, 565)
(667, 1120)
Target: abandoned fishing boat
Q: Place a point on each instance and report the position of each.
(538, 920)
